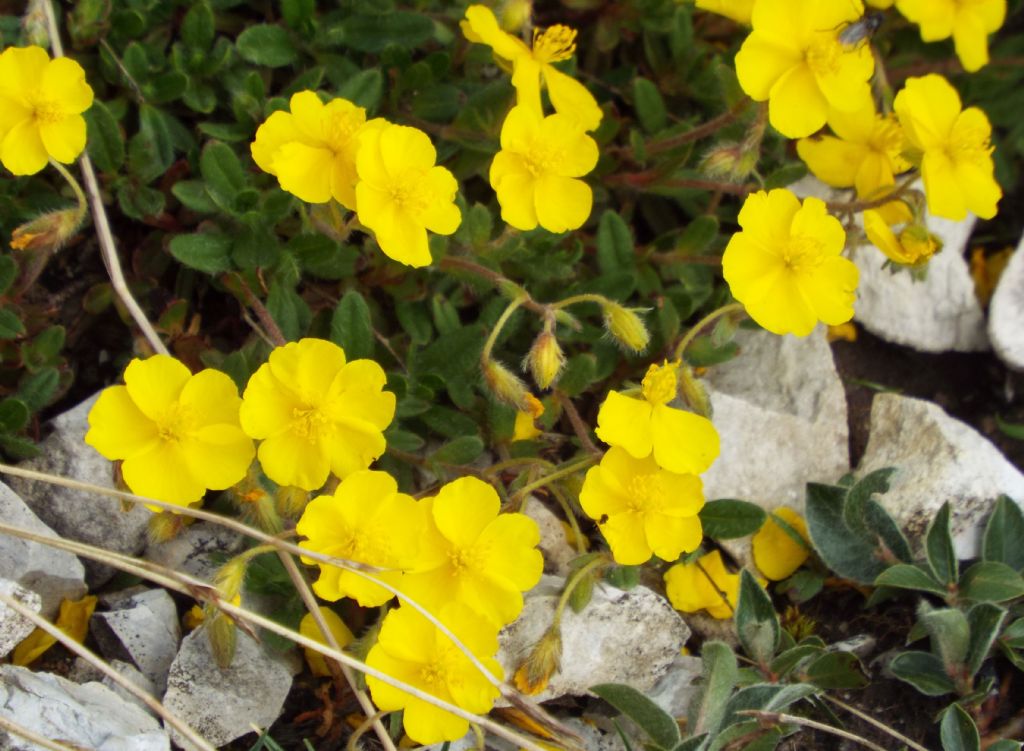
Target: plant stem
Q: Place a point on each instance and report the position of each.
(485, 355)
(83, 202)
(777, 717)
(855, 206)
(588, 297)
(574, 580)
(709, 128)
(579, 427)
(563, 471)
(273, 331)
(701, 324)
(570, 518)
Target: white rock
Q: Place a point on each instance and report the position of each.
(780, 411)
(51, 573)
(629, 637)
(224, 704)
(130, 672)
(82, 716)
(85, 517)
(13, 626)
(198, 550)
(677, 688)
(938, 459)
(558, 553)
(1006, 312)
(143, 629)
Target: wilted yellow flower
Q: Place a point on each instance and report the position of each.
(474, 555)
(72, 619)
(529, 65)
(969, 22)
(177, 433)
(914, 245)
(47, 231)
(786, 266)
(311, 149)
(367, 521)
(525, 428)
(737, 10)
(316, 413)
(793, 59)
(411, 649)
(776, 554)
(954, 148)
(535, 172)
(401, 193)
(865, 153)
(682, 442)
(689, 589)
(41, 106)
(308, 627)
(642, 509)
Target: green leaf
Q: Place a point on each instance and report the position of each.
(660, 726)
(650, 107)
(38, 389)
(888, 537)
(18, 448)
(455, 358)
(297, 12)
(44, 348)
(757, 625)
(403, 440)
(909, 576)
(373, 33)
(860, 493)
(151, 150)
(720, 674)
(988, 581)
(939, 547)
(727, 519)
(447, 422)
(351, 328)
(848, 554)
(1004, 534)
(957, 730)
(266, 44)
(792, 657)
(193, 196)
(1013, 430)
(11, 326)
(615, 249)
(924, 671)
(105, 141)
(289, 311)
(985, 619)
(579, 373)
(364, 88)
(14, 415)
(223, 174)
(698, 235)
(1004, 745)
(197, 27)
(459, 451)
(208, 252)
(623, 577)
(785, 175)
(950, 634)
(8, 273)
(835, 670)
(323, 257)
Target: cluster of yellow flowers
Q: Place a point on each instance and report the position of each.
(536, 173)
(386, 173)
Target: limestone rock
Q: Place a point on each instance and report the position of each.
(51, 573)
(13, 626)
(558, 553)
(143, 629)
(197, 550)
(81, 716)
(678, 687)
(85, 517)
(224, 704)
(938, 459)
(629, 637)
(1006, 312)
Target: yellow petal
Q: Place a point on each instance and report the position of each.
(352, 447)
(218, 455)
(278, 130)
(776, 554)
(155, 384)
(942, 189)
(627, 539)
(308, 367)
(562, 203)
(982, 191)
(304, 171)
(161, 473)
(21, 70)
(796, 106)
(64, 139)
(403, 148)
(308, 627)
(441, 215)
(485, 28)
(832, 290)
(572, 99)
(684, 442)
(22, 150)
(762, 61)
(289, 460)
(267, 408)
(404, 240)
(509, 550)
(516, 191)
(832, 160)
(212, 396)
(578, 151)
(63, 82)
(117, 428)
(308, 111)
(669, 536)
(463, 508)
(882, 237)
(971, 42)
(626, 422)
(927, 108)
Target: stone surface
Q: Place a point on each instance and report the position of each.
(85, 517)
(677, 688)
(130, 672)
(629, 637)
(143, 629)
(1006, 312)
(197, 550)
(13, 626)
(938, 459)
(224, 704)
(780, 411)
(53, 574)
(81, 716)
(558, 553)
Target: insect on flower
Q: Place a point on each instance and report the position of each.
(860, 31)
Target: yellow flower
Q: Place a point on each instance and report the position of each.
(880, 3)
(41, 106)
(73, 620)
(368, 521)
(529, 65)
(793, 59)
(411, 649)
(689, 589)
(316, 413)
(642, 509)
(308, 627)
(534, 173)
(956, 156)
(473, 554)
(776, 554)
(682, 442)
(525, 428)
(914, 245)
(177, 433)
(401, 193)
(866, 155)
(969, 22)
(737, 10)
(785, 266)
(311, 149)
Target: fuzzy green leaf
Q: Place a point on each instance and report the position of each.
(988, 581)
(660, 726)
(266, 44)
(11, 326)
(727, 519)
(756, 622)
(720, 675)
(206, 251)
(909, 576)
(650, 107)
(351, 328)
(958, 731)
(834, 670)
(615, 248)
(1004, 534)
(924, 671)
(848, 554)
(939, 547)
(985, 620)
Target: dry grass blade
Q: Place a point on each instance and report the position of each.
(15, 729)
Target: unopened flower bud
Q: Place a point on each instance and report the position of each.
(545, 359)
(229, 578)
(515, 14)
(504, 384)
(166, 525)
(533, 674)
(34, 24)
(919, 244)
(721, 161)
(47, 231)
(626, 327)
(693, 392)
(223, 635)
(291, 501)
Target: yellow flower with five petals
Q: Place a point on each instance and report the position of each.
(969, 22)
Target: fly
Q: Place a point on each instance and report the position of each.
(861, 30)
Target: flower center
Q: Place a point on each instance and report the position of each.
(309, 423)
(339, 131)
(409, 194)
(644, 492)
(553, 44)
(46, 112)
(173, 425)
(462, 561)
(824, 54)
(542, 159)
(886, 137)
(660, 385)
(432, 674)
(970, 145)
(802, 254)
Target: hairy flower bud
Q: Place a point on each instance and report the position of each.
(545, 658)
(545, 359)
(505, 385)
(47, 231)
(165, 526)
(291, 501)
(693, 392)
(626, 327)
